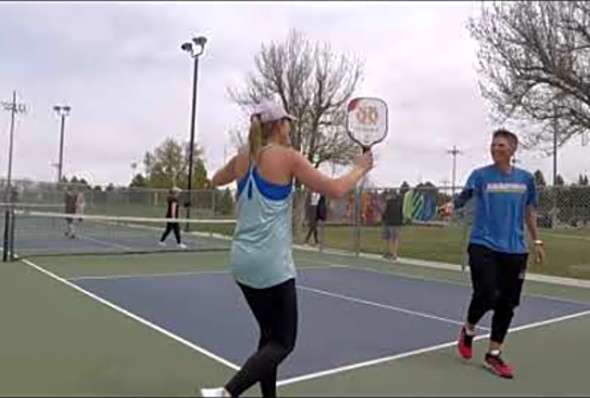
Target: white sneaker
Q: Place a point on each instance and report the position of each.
(181, 246)
(163, 244)
(214, 392)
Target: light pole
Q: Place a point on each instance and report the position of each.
(445, 184)
(194, 51)
(62, 111)
(454, 152)
(13, 107)
(133, 168)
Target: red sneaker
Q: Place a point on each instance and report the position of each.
(498, 366)
(464, 345)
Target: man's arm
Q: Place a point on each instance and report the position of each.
(530, 213)
(530, 219)
(462, 198)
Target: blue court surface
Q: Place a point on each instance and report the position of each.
(347, 316)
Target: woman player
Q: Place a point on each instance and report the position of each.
(172, 212)
(261, 260)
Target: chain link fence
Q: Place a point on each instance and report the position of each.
(121, 201)
(354, 222)
(559, 206)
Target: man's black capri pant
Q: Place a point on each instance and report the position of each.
(497, 280)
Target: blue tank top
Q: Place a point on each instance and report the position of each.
(261, 253)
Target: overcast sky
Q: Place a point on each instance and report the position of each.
(120, 67)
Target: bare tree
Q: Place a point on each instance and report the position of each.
(534, 65)
(314, 84)
(238, 136)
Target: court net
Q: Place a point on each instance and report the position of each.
(29, 232)
(45, 207)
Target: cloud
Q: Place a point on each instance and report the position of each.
(120, 67)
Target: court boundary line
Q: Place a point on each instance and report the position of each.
(457, 283)
(150, 275)
(386, 306)
(328, 265)
(195, 238)
(103, 242)
(299, 286)
(133, 316)
(81, 237)
(172, 274)
(297, 379)
(443, 280)
(420, 351)
(542, 278)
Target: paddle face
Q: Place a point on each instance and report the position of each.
(366, 121)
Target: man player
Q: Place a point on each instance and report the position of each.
(505, 199)
(172, 212)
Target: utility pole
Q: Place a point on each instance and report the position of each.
(195, 50)
(454, 152)
(13, 107)
(62, 111)
(554, 207)
(554, 145)
(445, 184)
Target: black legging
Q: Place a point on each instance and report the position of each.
(497, 283)
(275, 309)
(171, 226)
(313, 229)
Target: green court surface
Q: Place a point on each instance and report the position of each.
(60, 340)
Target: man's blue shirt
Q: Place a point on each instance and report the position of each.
(500, 202)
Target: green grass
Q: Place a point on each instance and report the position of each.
(568, 251)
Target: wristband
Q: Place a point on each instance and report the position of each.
(538, 242)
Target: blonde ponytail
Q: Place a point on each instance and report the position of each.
(259, 135)
(255, 137)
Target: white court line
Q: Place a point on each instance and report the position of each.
(444, 280)
(441, 280)
(78, 236)
(541, 278)
(454, 282)
(103, 242)
(386, 307)
(299, 378)
(134, 317)
(336, 295)
(420, 351)
(172, 274)
(153, 275)
(323, 292)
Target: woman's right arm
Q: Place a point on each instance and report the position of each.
(317, 181)
(225, 175)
